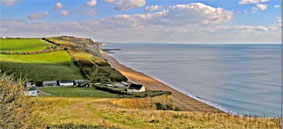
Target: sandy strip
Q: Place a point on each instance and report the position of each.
(181, 100)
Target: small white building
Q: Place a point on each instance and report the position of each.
(109, 85)
(66, 83)
(49, 83)
(32, 91)
(136, 88)
(79, 82)
(118, 85)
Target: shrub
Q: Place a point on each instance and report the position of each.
(15, 107)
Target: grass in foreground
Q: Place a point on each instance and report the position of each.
(23, 45)
(77, 92)
(95, 111)
(40, 67)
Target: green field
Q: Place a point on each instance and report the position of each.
(77, 92)
(39, 67)
(23, 45)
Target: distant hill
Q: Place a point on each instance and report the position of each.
(55, 58)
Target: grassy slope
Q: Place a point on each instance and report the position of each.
(47, 66)
(23, 45)
(77, 92)
(94, 111)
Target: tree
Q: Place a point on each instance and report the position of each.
(15, 107)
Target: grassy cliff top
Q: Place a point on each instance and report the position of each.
(23, 45)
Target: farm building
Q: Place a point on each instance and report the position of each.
(32, 91)
(79, 82)
(29, 84)
(136, 88)
(119, 85)
(66, 83)
(109, 85)
(49, 83)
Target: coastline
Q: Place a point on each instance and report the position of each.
(184, 101)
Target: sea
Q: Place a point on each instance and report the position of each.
(243, 79)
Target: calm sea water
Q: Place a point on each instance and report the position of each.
(244, 79)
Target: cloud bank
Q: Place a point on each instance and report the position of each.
(183, 23)
(252, 1)
(123, 5)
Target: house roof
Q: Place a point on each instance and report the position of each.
(66, 81)
(49, 82)
(135, 86)
(81, 80)
(32, 88)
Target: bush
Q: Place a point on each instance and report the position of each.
(167, 106)
(15, 107)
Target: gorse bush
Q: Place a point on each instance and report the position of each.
(15, 107)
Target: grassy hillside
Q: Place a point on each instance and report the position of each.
(39, 67)
(40, 59)
(23, 45)
(102, 112)
(77, 92)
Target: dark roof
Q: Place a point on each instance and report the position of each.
(135, 86)
(65, 81)
(49, 82)
(32, 88)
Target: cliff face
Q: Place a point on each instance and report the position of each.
(88, 45)
(87, 55)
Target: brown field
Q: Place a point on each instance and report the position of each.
(115, 113)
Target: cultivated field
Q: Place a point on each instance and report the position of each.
(23, 45)
(103, 112)
(39, 67)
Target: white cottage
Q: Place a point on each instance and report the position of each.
(136, 88)
(31, 91)
(66, 83)
(49, 83)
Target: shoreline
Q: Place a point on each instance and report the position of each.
(184, 101)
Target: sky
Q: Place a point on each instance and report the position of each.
(146, 21)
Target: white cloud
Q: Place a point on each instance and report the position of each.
(262, 6)
(58, 6)
(279, 21)
(276, 6)
(123, 5)
(91, 3)
(189, 23)
(109, 1)
(152, 8)
(246, 11)
(199, 13)
(252, 1)
(65, 12)
(259, 7)
(9, 2)
(37, 16)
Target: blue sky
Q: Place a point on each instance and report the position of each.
(164, 21)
